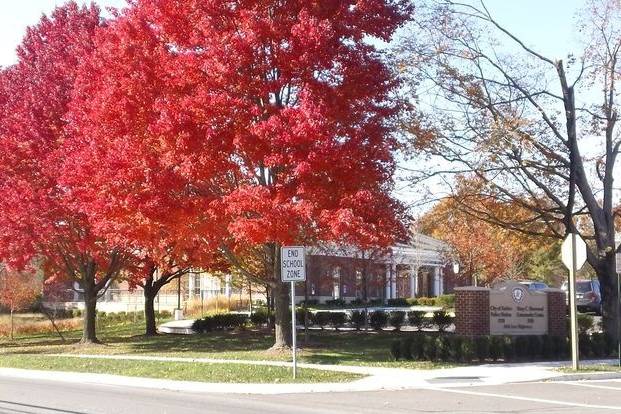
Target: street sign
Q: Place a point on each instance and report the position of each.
(292, 264)
(293, 269)
(573, 254)
(581, 251)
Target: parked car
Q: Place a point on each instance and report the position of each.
(588, 296)
(531, 285)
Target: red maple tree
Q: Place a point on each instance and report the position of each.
(18, 290)
(242, 127)
(38, 215)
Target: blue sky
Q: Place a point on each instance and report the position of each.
(549, 24)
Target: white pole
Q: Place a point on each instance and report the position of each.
(293, 333)
(572, 305)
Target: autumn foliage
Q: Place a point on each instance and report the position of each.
(205, 133)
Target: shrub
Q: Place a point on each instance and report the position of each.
(455, 350)
(397, 302)
(611, 345)
(508, 349)
(406, 347)
(426, 301)
(418, 347)
(585, 346)
(561, 346)
(445, 301)
(548, 349)
(310, 302)
(259, 317)
(535, 347)
(321, 319)
(468, 350)
(378, 319)
(357, 302)
(496, 349)
(165, 314)
(482, 347)
(221, 321)
(417, 319)
(338, 319)
(375, 302)
(520, 345)
(397, 319)
(336, 303)
(395, 350)
(443, 348)
(585, 323)
(412, 301)
(300, 314)
(598, 345)
(442, 320)
(358, 318)
(429, 348)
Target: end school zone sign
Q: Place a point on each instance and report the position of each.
(292, 264)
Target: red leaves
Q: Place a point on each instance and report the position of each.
(186, 126)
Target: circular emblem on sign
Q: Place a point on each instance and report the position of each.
(518, 295)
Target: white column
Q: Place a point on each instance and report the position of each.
(413, 281)
(441, 281)
(393, 281)
(388, 282)
(436, 281)
(191, 286)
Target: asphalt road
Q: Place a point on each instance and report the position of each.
(28, 396)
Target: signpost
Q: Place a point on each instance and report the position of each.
(573, 254)
(293, 269)
(618, 268)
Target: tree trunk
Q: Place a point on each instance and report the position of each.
(282, 331)
(610, 301)
(12, 326)
(149, 310)
(89, 333)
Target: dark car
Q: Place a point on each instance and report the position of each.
(588, 296)
(532, 285)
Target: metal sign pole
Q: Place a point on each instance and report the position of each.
(293, 329)
(572, 305)
(618, 271)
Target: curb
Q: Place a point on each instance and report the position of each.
(587, 376)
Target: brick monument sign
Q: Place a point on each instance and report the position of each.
(509, 308)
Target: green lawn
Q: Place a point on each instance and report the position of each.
(183, 371)
(327, 347)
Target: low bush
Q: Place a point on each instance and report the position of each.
(445, 301)
(357, 302)
(417, 319)
(219, 322)
(378, 319)
(310, 302)
(322, 319)
(453, 348)
(395, 350)
(337, 319)
(396, 302)
(442, 320)
(336, 303)
(376, 302)
(412, 301)
(585, 323)
(358, 319)
(260, 317)
(397, 319)
(426, 301)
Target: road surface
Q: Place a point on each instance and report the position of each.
(47, 397)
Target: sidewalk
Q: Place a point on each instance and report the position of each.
(376, 379)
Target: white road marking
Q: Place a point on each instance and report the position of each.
(582, 384)
(539, 400)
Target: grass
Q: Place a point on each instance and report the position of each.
(592, 368)
(323, 347)
(182, 371)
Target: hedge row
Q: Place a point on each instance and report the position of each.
(452, 348)
(443, 301)
(378, 319)
(220, 322)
